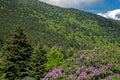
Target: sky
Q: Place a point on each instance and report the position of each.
(106, 8)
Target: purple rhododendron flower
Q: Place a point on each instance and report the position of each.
(91, 68)
(99, 64)
(71, 76)
(96, 72)
(54, 72)
(93, 53)
(82, 75)
(110, 72)
(92, 74)
(118, 75)
(109, 65)
(50, 74)
(92, 56)
(59, 71)
(109, 77)
(83, 67)
(80, 68)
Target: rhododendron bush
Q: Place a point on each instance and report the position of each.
(87, 66)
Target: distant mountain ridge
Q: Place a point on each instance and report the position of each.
(55, 26)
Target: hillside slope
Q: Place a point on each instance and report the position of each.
(55, 26)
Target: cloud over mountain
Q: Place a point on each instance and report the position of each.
(114, 14)
(74, 3)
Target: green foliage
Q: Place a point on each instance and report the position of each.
(69, 52)
(17, 52)
(1, 43)
(28, 78)
(55, 26)
(88, 62)
(1, 66)
(37, 63)
(55, 59)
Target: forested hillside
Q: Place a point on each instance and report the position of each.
(55, 26)
(38, 40)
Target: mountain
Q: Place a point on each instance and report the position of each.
(74, 43)
(55, 26)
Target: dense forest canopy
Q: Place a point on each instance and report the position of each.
(65, 27)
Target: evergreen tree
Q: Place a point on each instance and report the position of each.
(17, 55)
(38, 62)
(1, 42)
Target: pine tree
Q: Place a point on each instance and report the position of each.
(17, 55)
(1, 42)
(38, 62)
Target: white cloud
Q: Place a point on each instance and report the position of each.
(74, 3)
(111, 14)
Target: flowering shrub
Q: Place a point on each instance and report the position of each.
(53, 73)
(94, 66)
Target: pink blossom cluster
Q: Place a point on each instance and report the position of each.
(87, 70)
(53, 73)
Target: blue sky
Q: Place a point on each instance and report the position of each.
(106, 5)
(105, 8)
